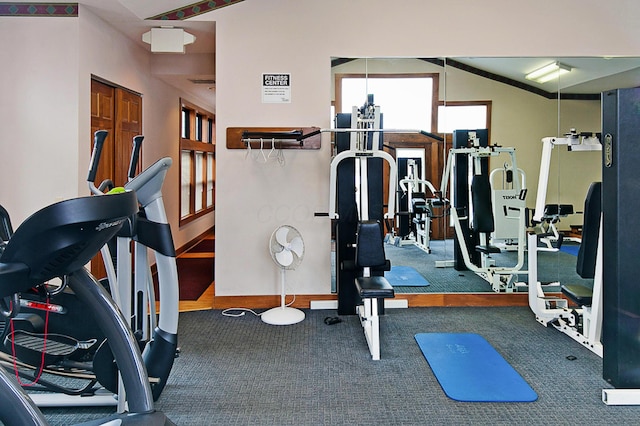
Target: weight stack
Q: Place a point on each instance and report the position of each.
(621, 237)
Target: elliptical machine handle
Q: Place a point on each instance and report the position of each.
(98, 142)
(135, 155)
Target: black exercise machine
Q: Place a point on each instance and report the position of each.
(621, 245)
(58, 241)
(83, 351)
(356, 205)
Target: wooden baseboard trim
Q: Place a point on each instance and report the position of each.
(464, 299)
(415, 300)
(267, 301)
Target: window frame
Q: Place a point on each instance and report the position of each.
(486, 103)
(198, 118)
(435, 89)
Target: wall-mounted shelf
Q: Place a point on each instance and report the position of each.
(282, 137)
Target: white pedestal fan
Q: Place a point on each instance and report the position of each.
(287, 250)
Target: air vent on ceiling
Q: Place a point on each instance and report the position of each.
(202, 81)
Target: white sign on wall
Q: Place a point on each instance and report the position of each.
(276, 88)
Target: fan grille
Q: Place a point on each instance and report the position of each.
(286, 247)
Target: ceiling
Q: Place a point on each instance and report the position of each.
(130, 18)
(589, 75)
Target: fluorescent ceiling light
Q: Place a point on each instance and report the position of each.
(548, 72)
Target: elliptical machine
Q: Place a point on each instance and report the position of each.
(150, 230)
(56, 313)
(56, 242)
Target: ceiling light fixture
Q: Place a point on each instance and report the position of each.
(548, 72)
(168, 39)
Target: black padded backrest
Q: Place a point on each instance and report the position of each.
(61, 238)
(370, 245)
(5, 225)
(482, 206)
(586, 264)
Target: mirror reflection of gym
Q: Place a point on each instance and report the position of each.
(515, 117)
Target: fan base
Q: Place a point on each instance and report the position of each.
(282, 316)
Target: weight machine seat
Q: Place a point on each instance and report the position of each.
(579, 294)
(420, 205)
(374, 288)
(554, 210)
(370, 254)
(482, 205)
(488, 249)
(587, 254)
(586, 264)
(370, 245)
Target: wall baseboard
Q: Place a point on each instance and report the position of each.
(410, 300)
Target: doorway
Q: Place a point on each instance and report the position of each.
(119, 112)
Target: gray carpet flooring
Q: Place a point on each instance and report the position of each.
(240, 371)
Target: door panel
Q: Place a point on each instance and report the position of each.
(103, 118)
(128, 125)
(119, 112)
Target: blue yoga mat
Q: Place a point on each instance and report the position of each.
(405, 276)
(570, 248)
(469, 369)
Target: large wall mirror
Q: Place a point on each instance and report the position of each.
(439, 95)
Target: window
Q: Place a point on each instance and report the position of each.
(407, 101)
(460, 115)
(197, 162)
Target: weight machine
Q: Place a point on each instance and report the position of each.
(583, 321)
(356, 205)
(420, 208)
(546, 216)
(472, 214)
(356, 190)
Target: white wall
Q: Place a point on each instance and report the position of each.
(300, 37)
(45, 125)
(39, 114)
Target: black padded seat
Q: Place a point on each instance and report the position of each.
(370, 254)
(558, 210)
(374, 288)
(420, 205)
(487, 249)
(482, 221)
(579, 294)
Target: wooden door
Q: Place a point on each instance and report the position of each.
(103, 106)
(119, 112)
(128, 125)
